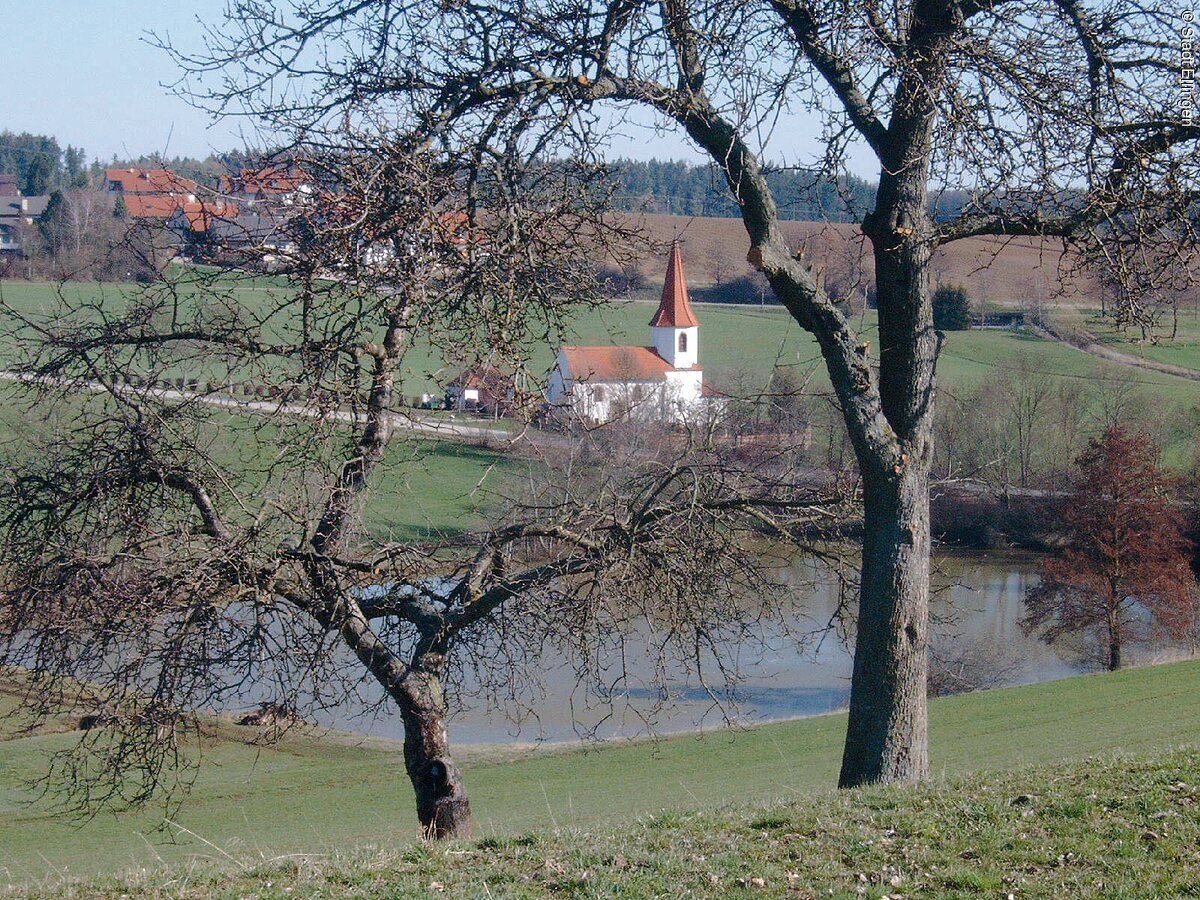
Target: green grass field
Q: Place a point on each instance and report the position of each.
(321, 796)
(736, 342)
(1107, 827)
(750, 339)
(445, 490)
(1182, 350)
(424, 489)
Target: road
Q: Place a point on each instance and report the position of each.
(1098, 350)
(425, 426)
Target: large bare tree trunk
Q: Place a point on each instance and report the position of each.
(886, 735)
(886, 738)
(442, 804)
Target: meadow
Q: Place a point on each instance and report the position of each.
(313, 794)
(738, 344)
(428, 488)
(1103, 827)
(1181, 350)
(319, 795)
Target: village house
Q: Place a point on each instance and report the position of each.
(483, 388)
(17, 214)
(133, 182)
(661, 383)
(162, 194)
(271, 185)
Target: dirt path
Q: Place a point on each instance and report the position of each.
(1091, 347)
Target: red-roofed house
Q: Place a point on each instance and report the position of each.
(662, 382)
(160, 182)
(278, 183)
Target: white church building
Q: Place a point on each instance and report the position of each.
(661, 383)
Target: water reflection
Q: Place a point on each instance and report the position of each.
(976, 605)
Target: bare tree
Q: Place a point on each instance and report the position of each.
(959, 664)
(1058, 116)
(164, 555)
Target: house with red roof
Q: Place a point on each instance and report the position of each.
(164, 195)
(662, 382)
(279, 184)
(153, 182)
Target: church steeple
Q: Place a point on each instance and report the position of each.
(675, 309)
(675, 328)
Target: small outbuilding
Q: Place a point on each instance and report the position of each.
(483, 388)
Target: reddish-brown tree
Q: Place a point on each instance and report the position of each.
(1126, 559)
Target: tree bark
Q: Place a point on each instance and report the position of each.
(886, 739)
(441, 794)
(1114, 642)
(442, 805)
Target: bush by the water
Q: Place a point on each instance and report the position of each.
(951, 308)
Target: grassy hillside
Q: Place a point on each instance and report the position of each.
(750, 339)
(1182, 350)
(313, 795)
(738, 344)
(424, 488)
(1123, 827)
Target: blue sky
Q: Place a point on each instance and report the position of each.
(86, 75)
(89, 78)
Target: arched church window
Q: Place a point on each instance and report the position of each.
(683, 342)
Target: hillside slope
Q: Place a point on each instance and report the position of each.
(1009, 272)
(1100, 828)
(313, 795)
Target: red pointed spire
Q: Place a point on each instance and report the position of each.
(675, 310)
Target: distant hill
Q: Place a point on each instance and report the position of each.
(1008, 272)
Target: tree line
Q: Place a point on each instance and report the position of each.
(40, 164)
(804, 193)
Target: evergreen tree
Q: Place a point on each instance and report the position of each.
(38, 175)
(951, 308)
(52, 222)
(75, 167)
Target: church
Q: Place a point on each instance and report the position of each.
(662, 383)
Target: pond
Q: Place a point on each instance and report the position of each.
(977, 602)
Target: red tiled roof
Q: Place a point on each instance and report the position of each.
(199, 214)
(281, 179)
(150, 206)
(151, 181)
(615, 364)
(675, 309)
